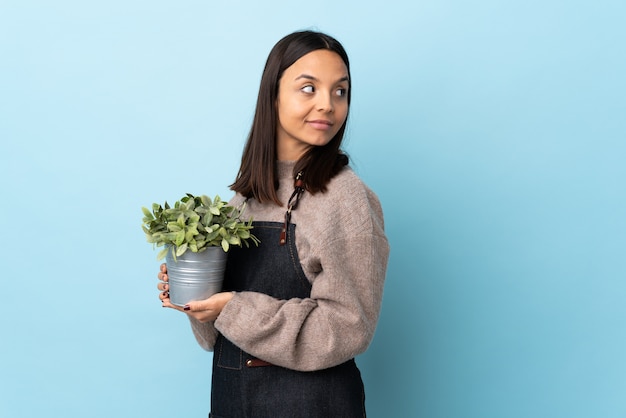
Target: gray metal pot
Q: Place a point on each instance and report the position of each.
(195, 276)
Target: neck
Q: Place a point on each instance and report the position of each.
(289, 151)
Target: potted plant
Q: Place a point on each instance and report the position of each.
(196, 233)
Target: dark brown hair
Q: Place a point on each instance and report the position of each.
(257, 175)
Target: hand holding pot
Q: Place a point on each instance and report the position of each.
(163, 286)
(206, 310)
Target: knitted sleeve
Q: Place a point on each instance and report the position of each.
(338, 321)
(205, 333)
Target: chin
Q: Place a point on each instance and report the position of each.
(320, 142)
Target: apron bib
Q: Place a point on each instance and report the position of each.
(244, 386)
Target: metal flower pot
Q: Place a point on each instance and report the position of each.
(195, 276)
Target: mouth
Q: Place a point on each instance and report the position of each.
(320, 124)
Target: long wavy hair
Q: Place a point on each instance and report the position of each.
(257, 175)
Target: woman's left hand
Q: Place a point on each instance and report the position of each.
(208, 310)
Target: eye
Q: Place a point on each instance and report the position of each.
(308, 89)
(341, 92)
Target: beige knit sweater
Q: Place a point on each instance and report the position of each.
(343, 251)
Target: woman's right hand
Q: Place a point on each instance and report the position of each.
(164, 287)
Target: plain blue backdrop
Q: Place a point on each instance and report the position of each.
(493, 132)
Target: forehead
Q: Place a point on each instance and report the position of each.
(320, 63)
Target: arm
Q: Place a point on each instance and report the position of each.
(201, 313)
(339, 319)
(204, 332)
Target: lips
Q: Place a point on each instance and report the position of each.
(320, 124)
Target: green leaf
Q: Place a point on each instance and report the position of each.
(212, 235)
(147, 213)
(169, 236)
(162, 253)
(181, 249)
(180, 238)
(191, 232)
(206, 200)
(225, 245)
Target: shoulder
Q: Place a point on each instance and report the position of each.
(236, 200)
(345, 178)
(349, 199)
(348, 184)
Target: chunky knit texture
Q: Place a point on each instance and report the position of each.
(343, 251)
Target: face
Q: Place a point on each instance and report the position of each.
(312, 103)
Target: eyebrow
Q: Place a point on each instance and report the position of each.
(310, 77)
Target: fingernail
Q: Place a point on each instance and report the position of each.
(186, 307)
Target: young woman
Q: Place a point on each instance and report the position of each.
(298, 308)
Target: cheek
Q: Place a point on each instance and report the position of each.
(289, 110)
(342, 113)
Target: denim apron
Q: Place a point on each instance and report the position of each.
(245, 386)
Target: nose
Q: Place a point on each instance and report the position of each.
(325, 102)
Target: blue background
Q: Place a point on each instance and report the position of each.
(492, 131)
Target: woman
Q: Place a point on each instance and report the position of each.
(296, 310)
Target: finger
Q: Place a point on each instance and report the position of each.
(214, 303)
(168, 304)
(162, 274)
(162, 286)
(194, 306)
(199, 305)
